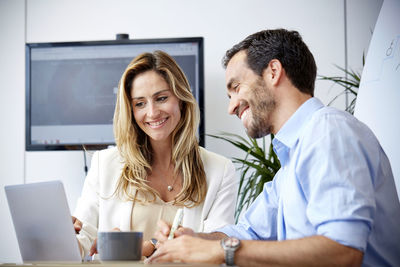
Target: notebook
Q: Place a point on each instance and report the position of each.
(42, 222)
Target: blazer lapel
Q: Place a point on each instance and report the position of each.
(193, 218)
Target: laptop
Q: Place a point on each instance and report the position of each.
(42, 222)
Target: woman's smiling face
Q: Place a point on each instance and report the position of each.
(155, 107)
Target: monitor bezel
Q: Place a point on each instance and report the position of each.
(54, 147)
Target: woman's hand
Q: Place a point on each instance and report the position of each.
(147, 248)
(77, 224)
(164, 228)
(93, 249)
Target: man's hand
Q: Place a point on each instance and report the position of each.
(164, 228)
(77, 224)
(186, 248)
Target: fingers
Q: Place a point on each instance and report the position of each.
(188, 249)
(77, 224)
(184, 231)
(158, 256)
(164, 228)
(164, 254)
(93, 249)
(163, 231)
(174, 250)
(116, 229)
(147, 248)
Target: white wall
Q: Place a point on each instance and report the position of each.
(362, 16)
(222, 24)
(12, 102)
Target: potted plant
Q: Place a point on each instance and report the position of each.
(256, 168)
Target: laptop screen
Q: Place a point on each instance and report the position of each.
(42, 222)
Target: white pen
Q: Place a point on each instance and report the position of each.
(177, 221)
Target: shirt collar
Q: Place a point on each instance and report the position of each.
(290, 131)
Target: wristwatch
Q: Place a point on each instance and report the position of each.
(230, 245)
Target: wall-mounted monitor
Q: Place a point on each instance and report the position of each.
(71, 88)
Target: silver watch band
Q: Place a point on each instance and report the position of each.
(230, 245)
(229, 257)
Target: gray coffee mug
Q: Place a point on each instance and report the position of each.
(119, 246)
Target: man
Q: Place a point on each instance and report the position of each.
(334, 200)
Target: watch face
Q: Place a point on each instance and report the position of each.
(232, 242)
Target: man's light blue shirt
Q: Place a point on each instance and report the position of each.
(335, 181)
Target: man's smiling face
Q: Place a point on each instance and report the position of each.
(250, 98)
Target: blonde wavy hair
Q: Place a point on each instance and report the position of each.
(134, 145)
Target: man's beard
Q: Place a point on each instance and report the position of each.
(262, 103)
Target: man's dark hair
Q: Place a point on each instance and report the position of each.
(283, 45)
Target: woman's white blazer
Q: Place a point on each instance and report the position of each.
(99, 210)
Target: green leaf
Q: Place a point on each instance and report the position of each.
(350, 82)
(257, 167)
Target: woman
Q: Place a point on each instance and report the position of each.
(157, 165)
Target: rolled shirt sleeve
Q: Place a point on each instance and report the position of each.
(337, 178)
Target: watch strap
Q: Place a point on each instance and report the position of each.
(229, 257)
(230, 245)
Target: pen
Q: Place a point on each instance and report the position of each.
(176, 223)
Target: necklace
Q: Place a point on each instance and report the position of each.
(169, 173)
(171, 187)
